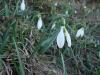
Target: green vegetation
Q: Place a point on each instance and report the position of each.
(27, 50)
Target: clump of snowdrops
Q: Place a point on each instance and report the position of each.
(59, 34)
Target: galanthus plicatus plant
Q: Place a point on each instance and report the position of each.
(62, 35)
(49, 37)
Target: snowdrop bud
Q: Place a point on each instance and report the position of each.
(66, 12)
(56, 4)
(39, 23)
(75, 11)
(22, 7)
(53, 26)
(84, 7)
(61, 38)
(69, 3)
(80, 32)
(68, 38)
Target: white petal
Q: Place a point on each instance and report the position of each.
(61, 38)
(22, 7)
(68, 38)
(80, 32)
(39, 23)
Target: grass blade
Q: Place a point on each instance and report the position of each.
(19, 58)
(65, 73)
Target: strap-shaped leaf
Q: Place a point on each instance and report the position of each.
(48, 42)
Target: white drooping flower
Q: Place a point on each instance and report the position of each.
(61, 38)
(22, 7)
(68, 38)
(39, 23)
(80, 32)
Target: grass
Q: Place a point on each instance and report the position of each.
(26, 50)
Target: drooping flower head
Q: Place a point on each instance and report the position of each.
(80, 32)
(39, 23)
(22, 6)
(61, 38)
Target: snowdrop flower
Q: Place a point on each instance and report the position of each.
(61, 38)
(80, 32)
(22, 7)
(39, 23)
(68, 38)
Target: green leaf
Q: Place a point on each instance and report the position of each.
(6, 10)
(65, 72)
(19, 58)
(5, 37)
(48, 42)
